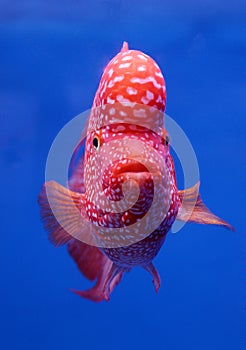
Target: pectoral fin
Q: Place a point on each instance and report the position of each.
(194, 210)
(62, 214)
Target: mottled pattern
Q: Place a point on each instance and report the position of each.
(130, 82)
(130, 78)
(143, 252)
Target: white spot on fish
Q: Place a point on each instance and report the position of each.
(111, 84)
(141, 68)
(110, 101)
(123, 114)
(149, 95)
(131, 91)
(112, 111)
(139, 113)
(118, 128)
(159, 74)
(145, 100)
(146, 80)
(110, 72)
(142, 57)
(119, 78)
(126, 58)
(124, 65)
(125, 101)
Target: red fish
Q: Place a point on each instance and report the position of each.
(128, 107)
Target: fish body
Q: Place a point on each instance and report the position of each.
(127, 110)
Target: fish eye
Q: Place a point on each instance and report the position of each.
(96, 142)
(166, 140)
(165, 137)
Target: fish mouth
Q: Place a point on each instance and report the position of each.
(135, 170)
(129, 166)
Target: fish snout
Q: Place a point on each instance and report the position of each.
(129, 175)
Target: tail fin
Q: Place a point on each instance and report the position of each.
(93, 264)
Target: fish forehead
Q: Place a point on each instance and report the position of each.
(135, 76)
(132, 83)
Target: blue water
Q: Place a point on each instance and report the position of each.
(52, 55)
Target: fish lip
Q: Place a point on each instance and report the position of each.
(134, 169)
(131, 167)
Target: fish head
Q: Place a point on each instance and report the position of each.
(128, 106)
(126, 168)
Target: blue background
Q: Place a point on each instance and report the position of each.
(52, 54)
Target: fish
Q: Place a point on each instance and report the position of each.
(105, 242)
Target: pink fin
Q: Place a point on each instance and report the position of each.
(124, 47)
(154, 273)
(89, 259)
(194, 210)
(108, 278)
(64, 223)
(57, 234)
(63, 215)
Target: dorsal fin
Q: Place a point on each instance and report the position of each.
(124, 47)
